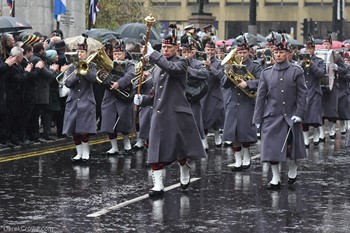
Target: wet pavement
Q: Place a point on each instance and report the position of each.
(48, 193)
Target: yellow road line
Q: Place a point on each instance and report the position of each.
(48, 151)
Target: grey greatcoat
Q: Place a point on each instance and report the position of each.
(344, 96)
(145, 113)
(196, 70)
(80, 112)
(239, 108)
(117, 115)
(173, 133)
(212, 103)
(330, 98)
(313, 74)
(281, 94)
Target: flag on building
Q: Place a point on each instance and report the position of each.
(59, 8)
(93, 10)
(9, 3)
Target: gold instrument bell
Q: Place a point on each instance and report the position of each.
(236, 72)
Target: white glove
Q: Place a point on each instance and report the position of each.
(335, 67)
(257, 126)
(296, 119)
(137, 99)
(149, 49)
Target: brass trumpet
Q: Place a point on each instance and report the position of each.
(265, 55)
(135, 80)
(306, 59)
(236, 72)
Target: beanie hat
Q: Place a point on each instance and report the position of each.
(51, 54)
(30, 39)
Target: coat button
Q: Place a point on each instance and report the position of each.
(160, 86)
(239, 93)
(78, 90)
(284, 103)
(282, 91)
(159, 99)
(78, 99)
(158, 111)
(285, 114)
(237, 103)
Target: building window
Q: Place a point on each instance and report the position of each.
(166, 3)
(281, 2)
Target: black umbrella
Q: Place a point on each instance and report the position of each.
(259, 38)
(134, 32)
(12, 24)
(102, 34)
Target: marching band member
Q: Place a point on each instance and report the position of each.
(172, 121)
(345, 125)
(239, 108)
(117, 114)
(330, 97)
(80, 111)
(196, 71)
(313, 72)
(221, 51)
(213, 107)
(344, 98)
(280, 107)
(145, 112)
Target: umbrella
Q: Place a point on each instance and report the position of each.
(93, 44)
(258, 37)
(12, 24)
(101, 34)
(335, 45)
(134, 32)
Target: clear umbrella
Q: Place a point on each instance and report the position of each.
(93, 44)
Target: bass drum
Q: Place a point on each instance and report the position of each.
(328, 57)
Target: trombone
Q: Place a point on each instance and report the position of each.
(82, 68)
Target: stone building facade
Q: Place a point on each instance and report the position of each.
(39, 14)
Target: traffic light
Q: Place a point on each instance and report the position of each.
(315, 27)
(304, 29)
(311, 27)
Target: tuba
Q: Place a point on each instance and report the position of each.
(236, 72)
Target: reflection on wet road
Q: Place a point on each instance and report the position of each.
(48, 193)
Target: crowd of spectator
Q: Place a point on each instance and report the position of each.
(30, 96)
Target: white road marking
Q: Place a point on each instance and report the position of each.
(125, 203)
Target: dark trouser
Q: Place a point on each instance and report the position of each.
(33, 127)
(18, 126)
(4, 127)
(59, 116)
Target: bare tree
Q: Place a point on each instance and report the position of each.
(114, 13)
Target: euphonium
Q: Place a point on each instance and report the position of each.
(107, 73)
(236, 72)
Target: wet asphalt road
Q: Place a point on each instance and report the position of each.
(48, 193)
